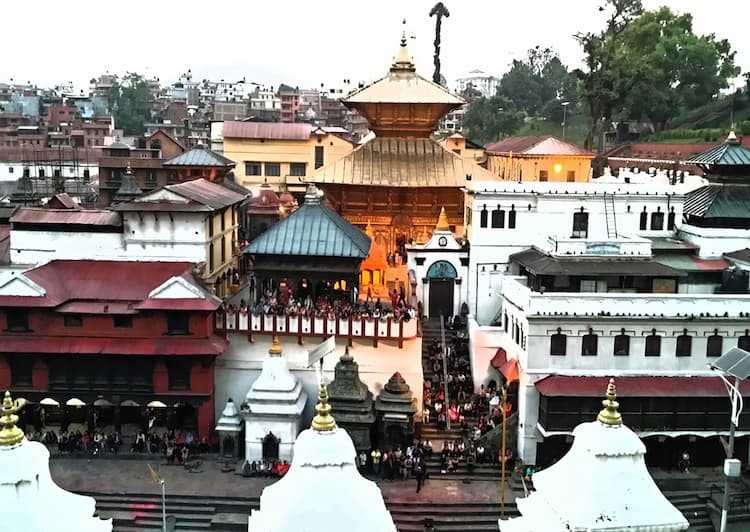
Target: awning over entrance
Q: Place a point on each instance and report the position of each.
(575, 386)
(507, 366)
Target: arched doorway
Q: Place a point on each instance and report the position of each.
(442, 277)
(271, 447)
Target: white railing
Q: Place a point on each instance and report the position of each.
(623, 304)
(628, 246)
(304, 326)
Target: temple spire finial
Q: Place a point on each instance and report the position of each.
(402, 61)
(732, 137)
(442, 224)
(275, 349)
(10, 434)
(609, 414)
(323, 420)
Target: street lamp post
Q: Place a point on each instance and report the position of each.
(734, 363)
(565, 116)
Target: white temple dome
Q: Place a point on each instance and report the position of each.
(328, 492)
(601, 484)
(32, 502)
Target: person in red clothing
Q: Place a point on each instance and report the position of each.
(283, 468)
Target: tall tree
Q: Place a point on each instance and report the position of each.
(488, 119)
(438, 11)
(664, 67)
(599, 80)
(131, 101)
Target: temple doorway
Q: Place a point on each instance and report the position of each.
(441, 298)
(270, 447)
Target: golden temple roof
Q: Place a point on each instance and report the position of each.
(396, 162)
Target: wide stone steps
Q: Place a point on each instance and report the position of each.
(693, 507)
(479, 517)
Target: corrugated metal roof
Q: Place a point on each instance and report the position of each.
(691, 263)
(167, 345)
(541, 264)
(741, 255)
(539, 145)
(266, 130)
(671, 244)
(200, 156)
(97, 307)
(313, 230)
(730, 153)
(207, 193)
(36, 215)
(401, 163)
(719, 201)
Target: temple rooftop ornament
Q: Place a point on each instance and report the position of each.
(323, 420)
(442, 224)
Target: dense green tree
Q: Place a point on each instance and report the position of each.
(538, 82)
(664, 67)
(130, 102)
(488, 119)
(600, 80)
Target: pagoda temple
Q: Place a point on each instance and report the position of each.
(398, 180)
(352, 401)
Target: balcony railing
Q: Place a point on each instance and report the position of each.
(623, 304)
(375, 329)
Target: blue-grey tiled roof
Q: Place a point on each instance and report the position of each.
(313, 230)
(199, 157)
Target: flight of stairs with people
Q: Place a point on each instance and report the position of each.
(436, 432)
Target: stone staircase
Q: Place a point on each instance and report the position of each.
(470, 517)
(693, 507)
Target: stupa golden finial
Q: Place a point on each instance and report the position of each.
(323, 420)
(732, 137)
(609, 414)
(275, 349)
(10, 434)
(442, 224)
(403, 62)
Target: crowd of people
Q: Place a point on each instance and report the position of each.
(397, 464)
(65, 441)
(265, 468)
(330, 304)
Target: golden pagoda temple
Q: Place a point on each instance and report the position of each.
(398, 180)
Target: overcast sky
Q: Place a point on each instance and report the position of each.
(304, 43)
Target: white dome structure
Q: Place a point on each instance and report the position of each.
(327, 491)
(601, 484)
(32, 502)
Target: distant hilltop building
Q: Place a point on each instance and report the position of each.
(485, 83)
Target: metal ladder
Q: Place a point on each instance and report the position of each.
(609, 215)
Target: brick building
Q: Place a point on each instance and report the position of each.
(108, 344)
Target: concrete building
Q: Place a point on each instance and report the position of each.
(283, 155)
(486, 84)
(538, 159)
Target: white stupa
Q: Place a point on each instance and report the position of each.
(323, 491)
(601, 484)
(31, 501)
(273, 408)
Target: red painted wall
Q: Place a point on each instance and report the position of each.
(40, 376)
(4, 374)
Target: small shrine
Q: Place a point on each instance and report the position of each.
(352, 401)
(32, 502)
(263, 209)
(601, 484)
(229, 428)
(395, 408)
(273, 410)
(373, 269)
(129, 189)
(324, 465)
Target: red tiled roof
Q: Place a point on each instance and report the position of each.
(166, 345)
(207, 193)
(40, 215)
(177, 304)
(541, 145)
(267, 130)
(65, 201)
(654, 150)
(575, 386)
